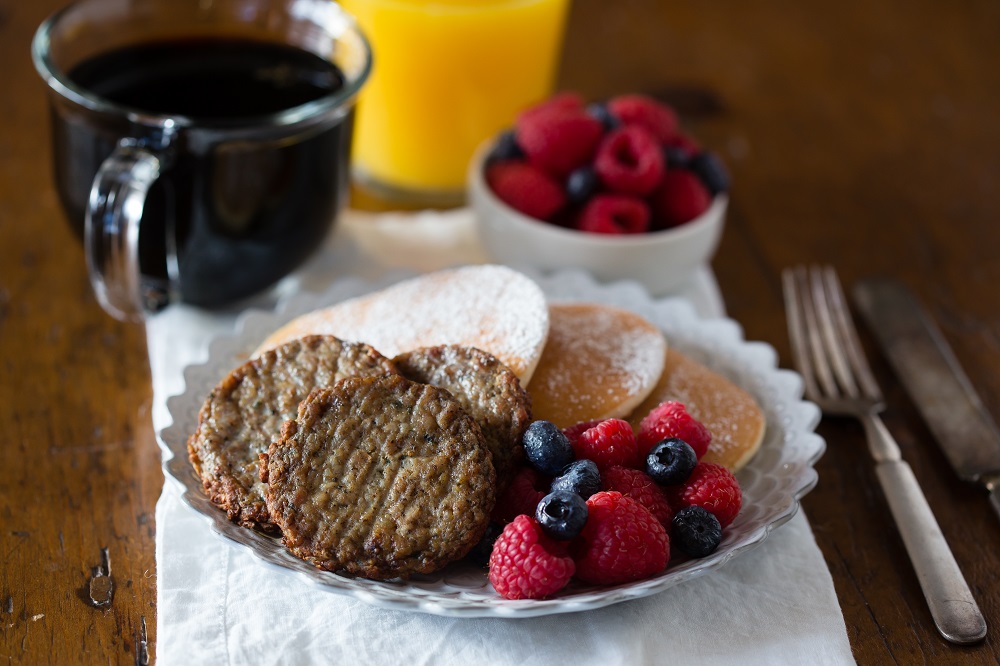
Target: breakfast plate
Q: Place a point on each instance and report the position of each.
(773, 482)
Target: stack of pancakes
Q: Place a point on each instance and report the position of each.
(374, 434)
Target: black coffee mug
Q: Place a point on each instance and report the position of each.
(200, 149)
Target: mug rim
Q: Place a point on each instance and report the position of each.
(59, 82)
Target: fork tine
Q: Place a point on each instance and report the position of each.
(848, 333)
(830, 333)
(817, 348)
(796, 334)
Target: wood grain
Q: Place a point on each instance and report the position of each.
(81, 466)
(859, 134)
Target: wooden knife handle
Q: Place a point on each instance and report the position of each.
(949, 598)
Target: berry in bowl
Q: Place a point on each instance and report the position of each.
(615, 188)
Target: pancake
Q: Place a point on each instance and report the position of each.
(732, 415)
(599, 362)
(493, 308)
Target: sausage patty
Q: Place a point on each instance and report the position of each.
(244, 413)
(380, 477)
(488, 390)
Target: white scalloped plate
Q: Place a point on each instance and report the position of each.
(774, 481)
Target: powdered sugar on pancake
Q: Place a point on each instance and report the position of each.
(493, 308)
(599, 362)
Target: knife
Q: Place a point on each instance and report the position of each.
(935, 381)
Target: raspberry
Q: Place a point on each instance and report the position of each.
(526, 564)
(557, 140)
(563, 101)
(638, 110)
(629, 161)
(614, 214)
(680, 197)
(712, 487)
(573, 432)
(526, 489)
(671, 419)
(621, 542)
(610, 442)
(637, 485)
(525, 188)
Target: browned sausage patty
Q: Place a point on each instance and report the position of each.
(380, 477)
(488, 390)
(244, 413)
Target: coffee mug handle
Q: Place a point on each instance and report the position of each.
(111, 231)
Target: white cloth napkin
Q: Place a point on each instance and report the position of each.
(218, 605)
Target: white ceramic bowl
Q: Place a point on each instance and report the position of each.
(662, 261)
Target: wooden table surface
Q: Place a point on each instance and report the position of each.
(863, 135)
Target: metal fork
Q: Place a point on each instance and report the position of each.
(837, 377)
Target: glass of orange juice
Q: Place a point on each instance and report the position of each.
(447, 75)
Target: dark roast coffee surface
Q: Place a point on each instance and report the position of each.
(209, 78)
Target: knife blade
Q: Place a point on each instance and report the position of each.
(932, 376)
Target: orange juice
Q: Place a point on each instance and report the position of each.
(447, 75)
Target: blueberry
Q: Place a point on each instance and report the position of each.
(580, 477)
(711, 171)
(562, 514)
(580, 184)
(696, 531)
(602, 114)
(506, 148)
(676, 157)
(546, 448)
(480, 553)
(670, 461)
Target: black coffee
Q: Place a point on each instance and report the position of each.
(209, 78)
(242, 211)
